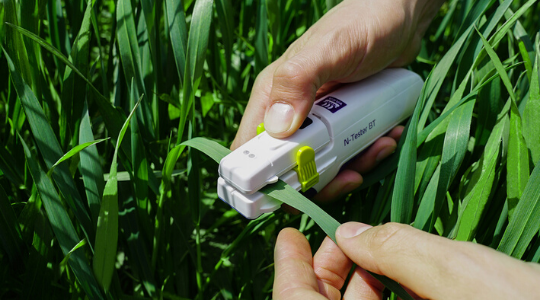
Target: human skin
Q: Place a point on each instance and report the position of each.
(354, 40)
(430, 266)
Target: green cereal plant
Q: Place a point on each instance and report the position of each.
(138, 87)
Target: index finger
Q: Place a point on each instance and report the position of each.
(294, 275)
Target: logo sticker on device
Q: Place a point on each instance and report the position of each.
(332, 104)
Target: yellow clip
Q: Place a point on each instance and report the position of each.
(260, 128)
(306, 169)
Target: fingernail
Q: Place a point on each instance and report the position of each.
(351, 229)
(385, 153)
(279, 118)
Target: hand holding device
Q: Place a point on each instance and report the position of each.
(339, 126)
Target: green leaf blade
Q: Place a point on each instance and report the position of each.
(74, 151)
(50, 148)
(520, 231)
(178, 34)
(531, 116)
(62, 226)
(107, 224)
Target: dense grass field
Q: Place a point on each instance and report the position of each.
(129, 214)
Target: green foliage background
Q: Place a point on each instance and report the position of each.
(74, 227)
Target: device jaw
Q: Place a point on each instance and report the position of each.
(264, 160)
(250, 206)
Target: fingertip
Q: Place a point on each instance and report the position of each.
(287, 233)
(345, 182)
(381, 149)
(351, 230)
(291, 243)
(293, 266)
(353, 181)
(385, 152)
(295, 82)
(396, 132)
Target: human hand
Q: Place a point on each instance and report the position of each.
(352, 41)
(432, 267)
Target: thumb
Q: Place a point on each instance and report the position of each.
(309, 64)
(294, 86)
(435, 267)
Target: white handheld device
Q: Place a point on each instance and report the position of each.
(339, 126)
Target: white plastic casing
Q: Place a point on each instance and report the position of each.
(254, 164)
(339, 126)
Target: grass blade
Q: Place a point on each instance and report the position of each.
(196, 50)
(165, 192)
(518, 156)
(498, 66)
(50, 148)
(63, 228)
(503, 30)
(526, 59)
(15, 43)
(131, 61)
(216, 152)
(10, 232)
(403, 194)
(72, 85)
(112, 117)
(178, 34)
(453, 152)
(434, 82)
(140, 167)
(261, 37)
(74, 151)
(194, 201)
(107, 225)
(531, 116)
(89, 166)
(10, 167)
(488, 107)
(517, 165)
(226, 25)
(429, 157)
(520, 231)
(40, 255)
(68, 255)
(455, 146)
(331, 3)
(427, 204)
(480, 184)
(198, 39)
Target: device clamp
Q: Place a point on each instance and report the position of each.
(306, 168)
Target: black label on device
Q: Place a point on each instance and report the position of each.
(332, 104)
